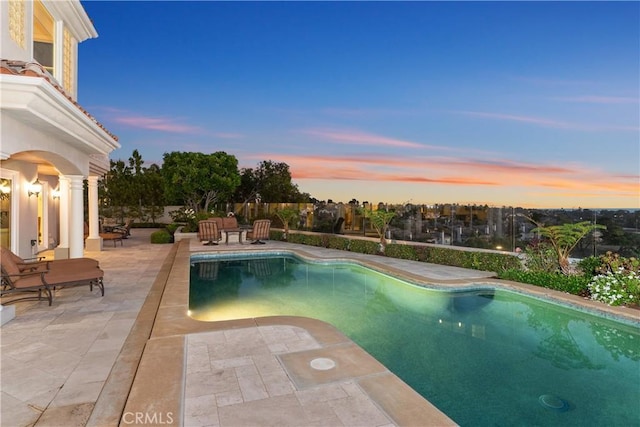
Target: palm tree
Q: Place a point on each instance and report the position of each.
(286, 215)
(564, 238)
(380, 220)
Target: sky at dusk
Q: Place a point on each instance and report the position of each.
(532, 104)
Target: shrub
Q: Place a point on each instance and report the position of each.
(314, 240)
(540, 256)
(171, 228)
(616, 287)
(294, 238)
(148, 225)
(395, 250)
(612, 262)
(336, 242)
(486, 261)
(364, 247)
(589, 266)
(306, 239)
(161, 236)
(277, 235)
(573, 284)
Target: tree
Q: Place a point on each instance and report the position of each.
(199, 180)
(287, 215)
(153, 200)
(116, 190)
(564, 238)
(271, 182)
(132, 190)
(380, 220)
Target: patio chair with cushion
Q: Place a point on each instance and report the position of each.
(208, 230)
(111, 236)
(125, 229)
(229, 223)
(45, 281)
(39, 263)
(259, 231)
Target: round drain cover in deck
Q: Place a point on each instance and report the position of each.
(322, 364)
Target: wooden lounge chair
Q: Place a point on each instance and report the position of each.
(208, 230)
(46, 281)
(259, 231)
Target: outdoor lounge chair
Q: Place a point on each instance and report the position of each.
(208, 230)
(39, 263)
(125, 229)
(45, 281)
(259, 231)
(112, 236)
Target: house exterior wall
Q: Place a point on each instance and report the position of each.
(45, 134)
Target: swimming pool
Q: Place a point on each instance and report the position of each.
(484, 357)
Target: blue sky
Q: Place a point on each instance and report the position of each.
(533, 104)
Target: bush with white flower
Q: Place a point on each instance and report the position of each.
(189, 218)
(616, 287)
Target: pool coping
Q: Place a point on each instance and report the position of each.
(149, 374)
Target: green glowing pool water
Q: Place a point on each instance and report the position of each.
(486, 357)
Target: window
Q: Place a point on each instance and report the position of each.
(43, 36)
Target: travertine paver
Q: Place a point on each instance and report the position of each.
(248, 385)
(55, 360)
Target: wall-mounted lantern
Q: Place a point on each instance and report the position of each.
(35, 188)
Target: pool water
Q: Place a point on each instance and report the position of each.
(486, 357)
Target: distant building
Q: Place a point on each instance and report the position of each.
(49, 144)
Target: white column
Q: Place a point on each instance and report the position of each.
(62, 251)
(76, 217)
(94, 241)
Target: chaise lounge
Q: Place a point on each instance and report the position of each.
(42, 279)
(111, 236)
(40, 263)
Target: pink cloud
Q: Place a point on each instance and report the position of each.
(360, 138)
(157, 123)
(540, 121)
(526, 119)
(451, 171)
(601, 99)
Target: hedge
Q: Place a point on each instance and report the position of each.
(364, 247)
(573, 284)
(485, 261)
(338, 242)
(161, 236)
(476, 260)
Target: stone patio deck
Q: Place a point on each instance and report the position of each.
(134, 356)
